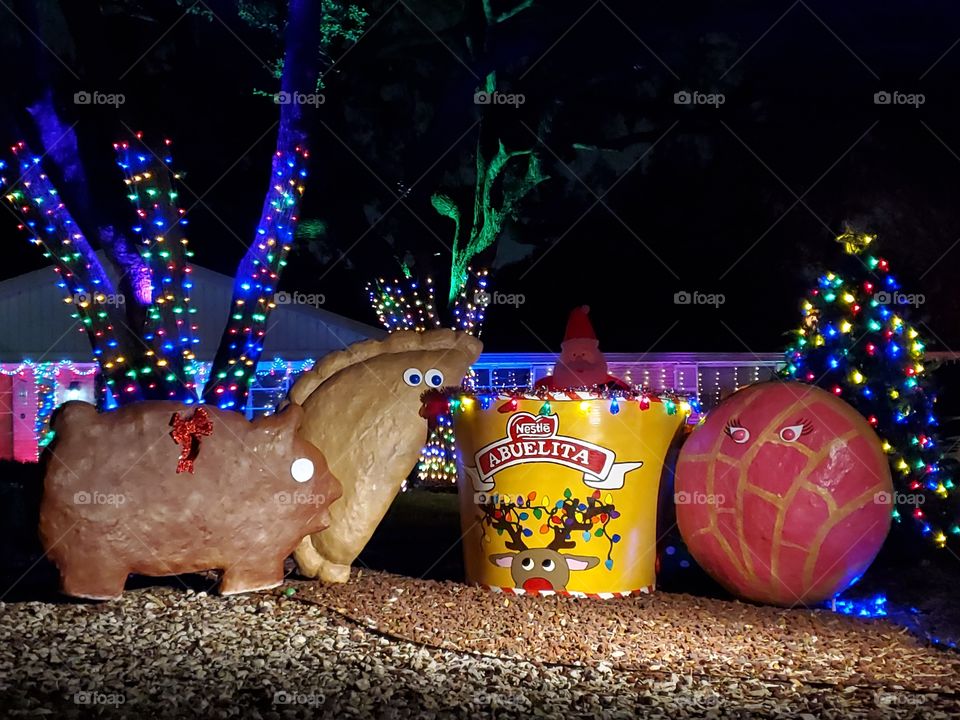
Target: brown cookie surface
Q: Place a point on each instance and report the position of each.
(119, 497)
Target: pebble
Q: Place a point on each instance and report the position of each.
(251, 656)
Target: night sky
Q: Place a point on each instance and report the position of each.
(647, 197)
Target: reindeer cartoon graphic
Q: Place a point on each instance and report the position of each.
(547, 568)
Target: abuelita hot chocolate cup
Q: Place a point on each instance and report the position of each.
(558, 492)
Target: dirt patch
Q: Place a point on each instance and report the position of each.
(670, 633)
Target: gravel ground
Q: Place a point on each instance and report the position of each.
(393, 647)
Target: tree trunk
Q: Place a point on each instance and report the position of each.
(255, 283)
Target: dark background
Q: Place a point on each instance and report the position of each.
(705, 198)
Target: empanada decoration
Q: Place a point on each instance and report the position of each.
(361, 408)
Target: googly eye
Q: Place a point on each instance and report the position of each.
(792, 433)
(738, 434)
(527, 563)
(302, 469)
(548, 565)
(412, 377)
(434, 377)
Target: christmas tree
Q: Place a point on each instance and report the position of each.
(856, 341)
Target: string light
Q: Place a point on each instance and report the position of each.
(86, 287)
(46, 379)
(407, 304)
(404, 304)
(255, 284)
(163, 284)
(469, 308)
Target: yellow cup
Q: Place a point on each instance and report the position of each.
(559, 494)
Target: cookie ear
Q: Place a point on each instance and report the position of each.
(73, 412)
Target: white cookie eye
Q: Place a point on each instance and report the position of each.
(792, 433)
(738, 434)
(548, 565)
(527, 563)
(412, 377)
(302, 469)
(434, 377)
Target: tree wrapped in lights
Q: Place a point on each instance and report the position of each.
(145, 344)
(161, 280)
(86, 285)
(406, 305)
(503, 179)
(856, 341)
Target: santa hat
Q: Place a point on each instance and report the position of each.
(579, 326)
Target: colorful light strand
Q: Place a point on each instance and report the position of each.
(404, 304)
(256, 282)
(87, 287)
(470, 307)
(45, 377)
(170, 330)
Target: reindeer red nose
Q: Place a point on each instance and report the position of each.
(536, 584)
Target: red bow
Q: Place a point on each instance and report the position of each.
(187, 433)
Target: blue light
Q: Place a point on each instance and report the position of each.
(869, 608)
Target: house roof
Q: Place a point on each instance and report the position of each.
(35, 324)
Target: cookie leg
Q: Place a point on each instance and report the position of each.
(333, 572)
(314, 565)
(92, 578)
(248, 577)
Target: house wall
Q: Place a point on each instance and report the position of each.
(6, 417)
(24, 417)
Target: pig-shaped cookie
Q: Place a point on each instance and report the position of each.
(162, 488)
(362, 409)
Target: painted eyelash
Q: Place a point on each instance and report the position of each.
(732, 423)
(806, 426)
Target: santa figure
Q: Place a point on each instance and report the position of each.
(581, 364)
